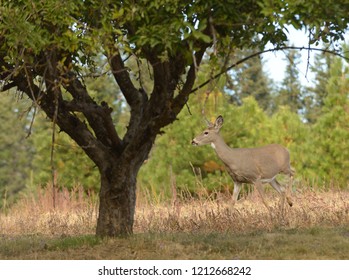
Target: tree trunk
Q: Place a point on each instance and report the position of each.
(118, 192)
(117, 205)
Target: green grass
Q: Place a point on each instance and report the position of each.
(310, 243)
(34, 245)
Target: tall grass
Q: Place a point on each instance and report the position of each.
(75, 212)
(214, 213)
(72, 213)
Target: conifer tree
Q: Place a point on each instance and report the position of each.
(290, 93)
(316, 94)
(331, 132)
(249, 79)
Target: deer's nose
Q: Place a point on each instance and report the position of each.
(194, 142)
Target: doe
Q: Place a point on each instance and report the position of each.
(249, 165)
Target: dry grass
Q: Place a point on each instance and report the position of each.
(311, 208)
(316, 227)
(75, 213)
(72, 213)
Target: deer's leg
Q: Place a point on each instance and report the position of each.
(237, 188)
(290, 183)
(277, 186)
(291, 172)
(282, 191)
(259, 187)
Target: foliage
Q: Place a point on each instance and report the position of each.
(16, 150)
(332, 128)
(70, 164)
(317, 16)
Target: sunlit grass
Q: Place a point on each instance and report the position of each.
(204, 227)
(72, 213)
(216, 214)
(75, 213)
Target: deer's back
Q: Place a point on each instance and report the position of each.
(249, 164)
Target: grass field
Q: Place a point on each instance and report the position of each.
(316, 227)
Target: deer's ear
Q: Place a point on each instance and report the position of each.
(219, 122)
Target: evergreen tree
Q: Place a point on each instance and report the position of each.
(249, 79)
(290, 93)
(316, 94)
(331, 132)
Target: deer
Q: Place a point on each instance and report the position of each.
(255, 166)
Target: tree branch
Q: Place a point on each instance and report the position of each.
(96, 115)
(103, 112)
(133, 96)
(182, 98)
(137, 99)
(8, 86)
(67, 121)
(266, 51)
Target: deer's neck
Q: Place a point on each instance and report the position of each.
(224, 152)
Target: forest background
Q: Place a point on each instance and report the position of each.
(311, 120)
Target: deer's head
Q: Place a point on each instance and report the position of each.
(209, 135)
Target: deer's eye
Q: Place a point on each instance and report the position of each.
(205, 132)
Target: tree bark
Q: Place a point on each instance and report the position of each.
(117, 203)
(118, 190)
